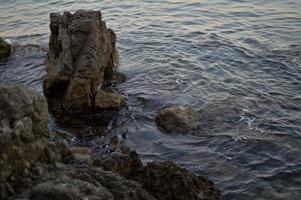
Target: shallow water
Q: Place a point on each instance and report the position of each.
(236, 62)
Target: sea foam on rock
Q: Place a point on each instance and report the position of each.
(82, 56)
(5, 48)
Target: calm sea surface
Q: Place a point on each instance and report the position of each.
(237, 62)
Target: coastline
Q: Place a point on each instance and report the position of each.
(32, 160)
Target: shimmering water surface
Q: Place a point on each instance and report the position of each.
(236, 62)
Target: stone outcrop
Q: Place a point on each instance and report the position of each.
(34, 167)
(5, 48)
(24, 139)
(108, 100)
(82, 56)
(178, 119)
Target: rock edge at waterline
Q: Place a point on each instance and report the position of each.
(82, 57)
(34, 167)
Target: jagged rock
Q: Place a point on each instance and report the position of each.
(81, 57)
(68, 188)
(119, 158)
(82, 182)
(167, 181)
(5, 48)
(120, 187)
(108, 100)
(24, 138)
(177, 119)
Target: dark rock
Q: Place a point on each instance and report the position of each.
(122, 163)
(5, 48)
(167, 181)
(120, 188)
(32, 167)
(177, 119)
(24, 138)
(68, 188)
(23, 120)
(119, 158)
(81, 57)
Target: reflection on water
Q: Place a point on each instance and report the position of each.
(236, 62)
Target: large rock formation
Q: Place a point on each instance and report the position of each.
(5, 48)
(33, 167)
(178, 119)
(81, 57)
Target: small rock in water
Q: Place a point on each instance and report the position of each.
(5, 48)
(81, 59)
(178, 119)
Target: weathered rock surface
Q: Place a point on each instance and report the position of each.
(33, 167)
(167, 181)
(177, 119)
(5, 48)
(24, 138)
(108, 100)
(87, 183)
(81, 58)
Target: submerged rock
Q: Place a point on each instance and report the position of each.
(81, 58)
(178, 119)
(33, 167)
(5, 48)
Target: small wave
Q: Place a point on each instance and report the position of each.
(21, 50)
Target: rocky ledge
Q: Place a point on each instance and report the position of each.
(32, 166)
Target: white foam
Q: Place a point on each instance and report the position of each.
(8, 41)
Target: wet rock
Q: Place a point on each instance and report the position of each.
(81, 57)
(167, 181)
(122, 163)
(33, 167)
(118, 77)
(108, 100)
(5, 48)
(119, 158)
(177, 119)
(81, 154)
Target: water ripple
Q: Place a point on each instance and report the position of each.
(236, 62)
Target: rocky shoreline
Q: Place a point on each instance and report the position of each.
(81, 77)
